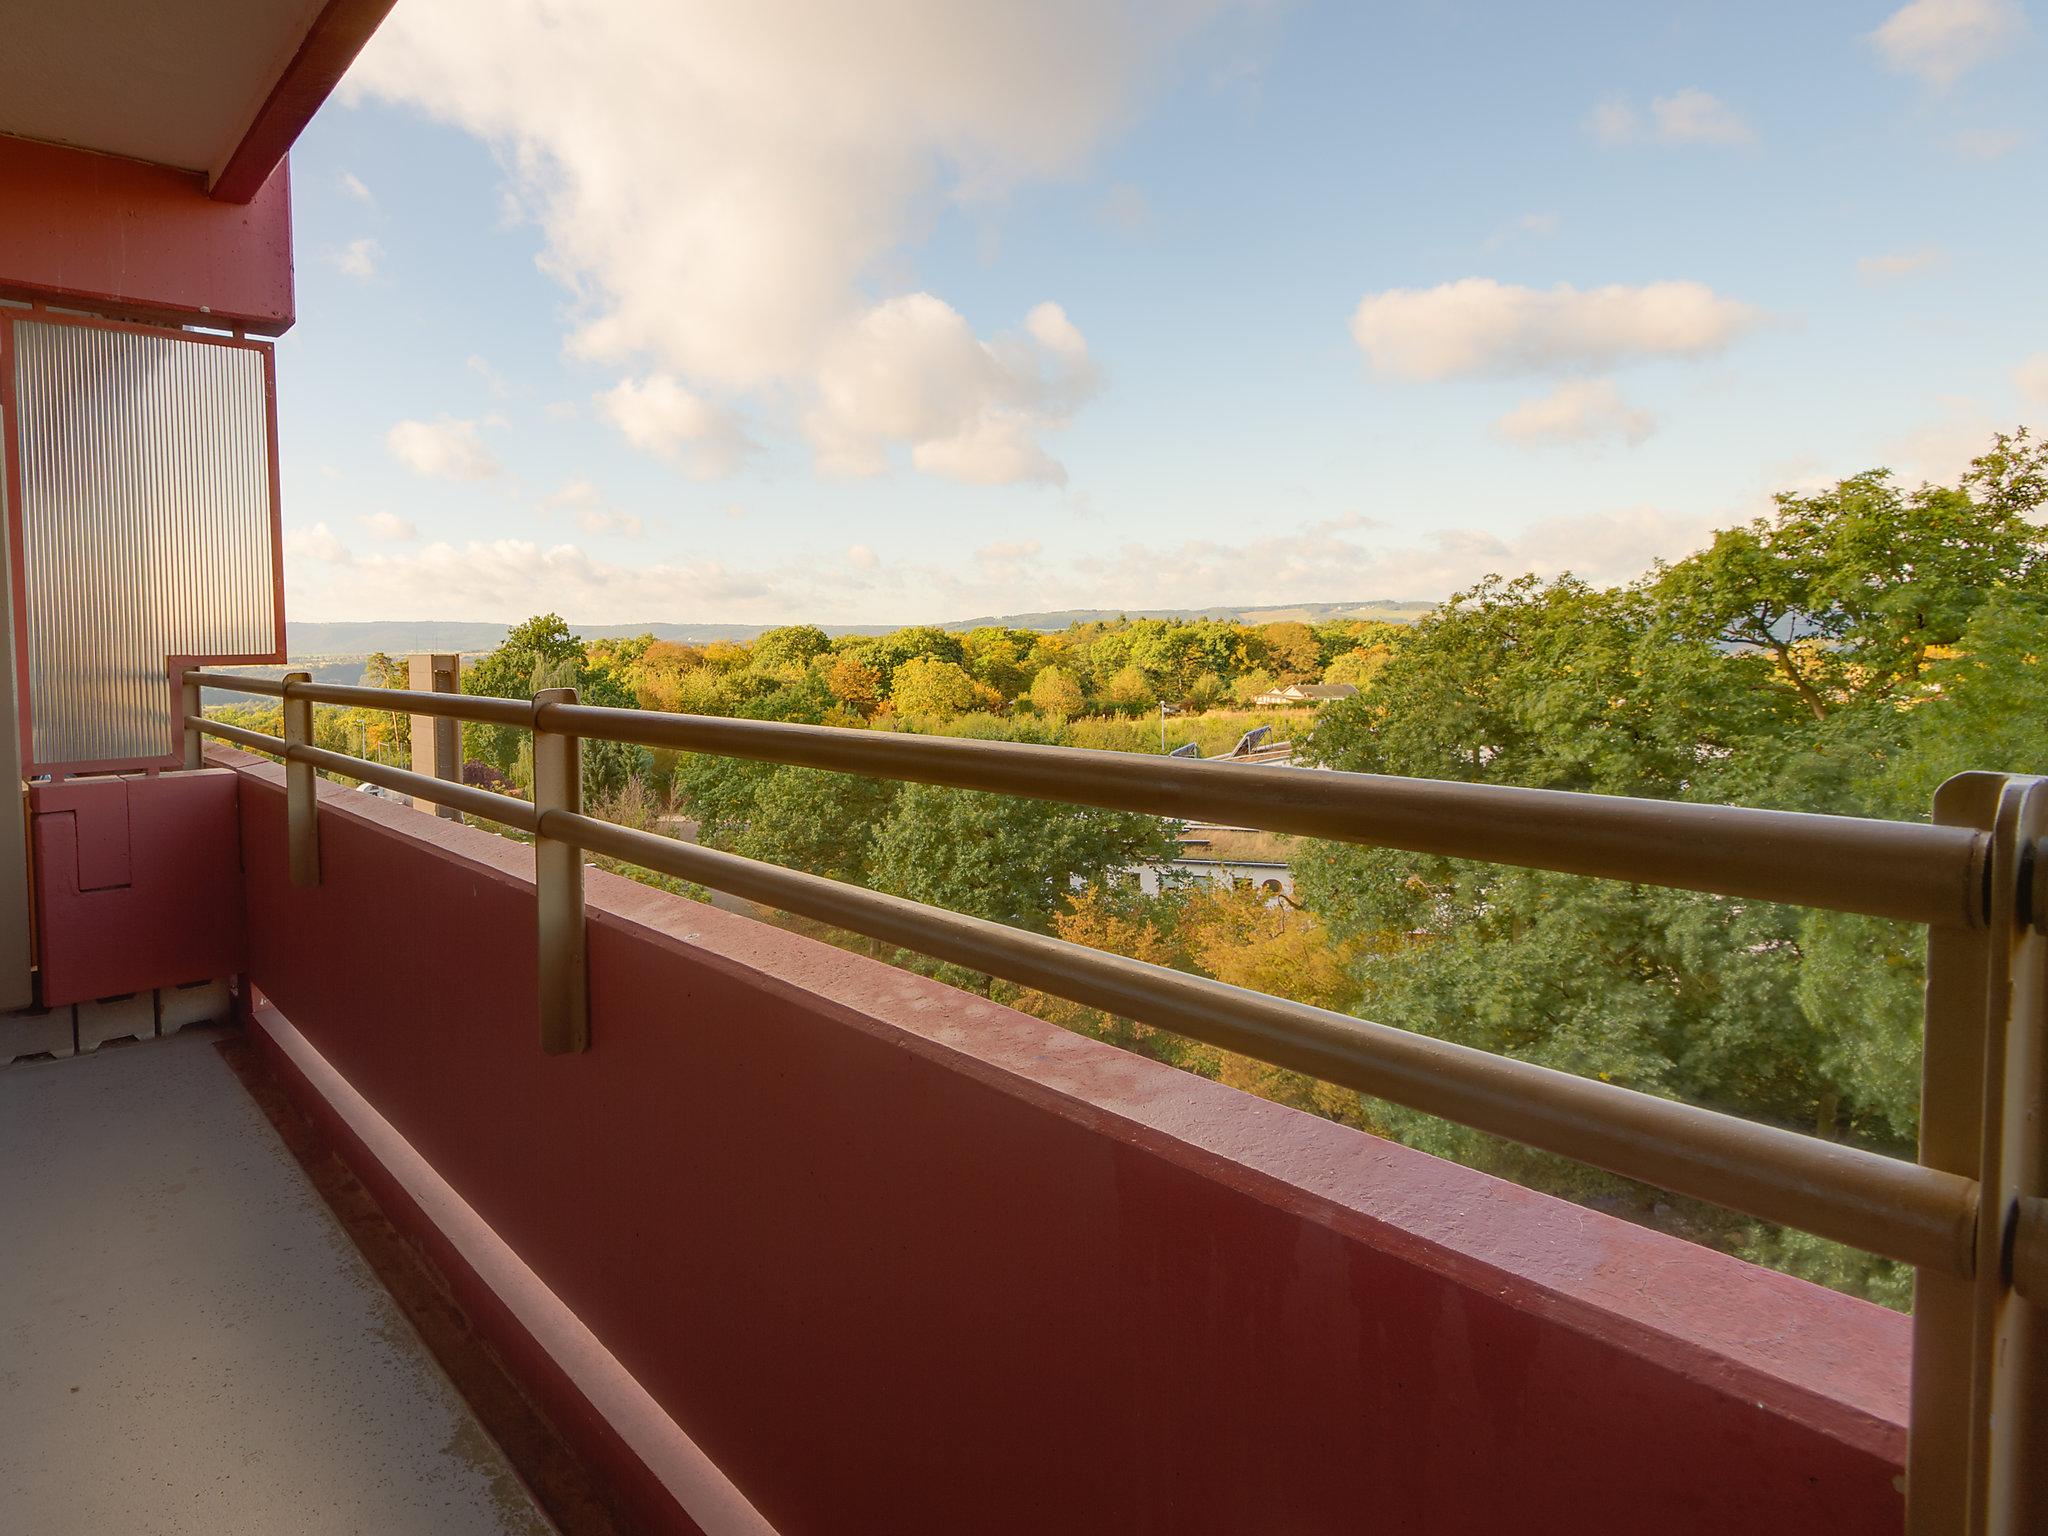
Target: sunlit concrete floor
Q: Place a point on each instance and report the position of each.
(189, 1342)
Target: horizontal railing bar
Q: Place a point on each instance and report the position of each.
(481, 709)
(255, 741)
(503, 809)
(1900, 1210)
(1906, 870)
(235, 682)
(2030, 1249)
(1896, 869)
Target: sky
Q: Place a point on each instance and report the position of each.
(667, 311)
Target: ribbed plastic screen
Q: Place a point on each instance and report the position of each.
(147, 527)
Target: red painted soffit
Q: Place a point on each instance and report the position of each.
(331, 44)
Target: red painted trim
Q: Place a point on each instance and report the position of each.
(330, 45)
(138, 241)
(657, 1474)
(175, 664)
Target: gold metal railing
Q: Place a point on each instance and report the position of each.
(1970, 1215)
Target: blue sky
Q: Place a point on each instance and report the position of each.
(912, 311)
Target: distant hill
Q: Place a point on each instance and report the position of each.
(1386, 609)
(397, 637)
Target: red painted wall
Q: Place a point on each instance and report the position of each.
(118, 236)
(138, 883)
(901, 1260)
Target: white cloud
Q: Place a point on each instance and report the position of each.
(1897, 264)
(1008, 551)
(1479, 327)
(1940, 40)
(722, 187)
(912, 371)
(1577, 411)
(598, 520)
(359, 259)
(1688, 116)
(562, 410)
(1987, 143)
(1693, 116)
(1340, 557)
(353, 186)
(1939, 450)
(442, 450)
(389, 528)
(659, 416)
(1539, 226)
(1614, 121)
(586, 504)
(2031, 379)
(494, 381)
(318, 542)
(1351, 557)
(500, 579)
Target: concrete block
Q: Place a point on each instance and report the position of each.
(36, 1032)
(116, 1018)
(199, 1002)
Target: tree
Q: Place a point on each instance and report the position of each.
(1358, 667)
(1056, 692)
(924, 685)
(997, 656)
(790, 649)
(1843, 592)
(507, 673)
(384, 671)
(1844, 657)
(856, 686)
(1291, 651)
(1129, 688)
(1001, 858)
(802, 818)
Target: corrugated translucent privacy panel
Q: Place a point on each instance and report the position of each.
(146, 526)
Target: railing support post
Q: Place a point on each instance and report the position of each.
(1978, 1462)
(189, 709)
(558, 886)
(436, 739)
(300, 786)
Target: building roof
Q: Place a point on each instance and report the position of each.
(1306, 693)
(217, 87)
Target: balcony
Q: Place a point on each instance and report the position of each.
(388, 1174)
(769, 1236)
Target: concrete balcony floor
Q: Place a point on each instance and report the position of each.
(189, 1341)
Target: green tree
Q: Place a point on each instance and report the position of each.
(1846, 656)
(1056, 692)
(998, 657)
(1291, 651)
(1006, 859)
(802, 818)
(791, 648)
(927, 686)
(1843, 592)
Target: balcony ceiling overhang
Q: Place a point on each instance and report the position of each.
(217, 87)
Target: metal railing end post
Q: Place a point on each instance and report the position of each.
(558, 886)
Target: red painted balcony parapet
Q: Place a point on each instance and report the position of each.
(889, 1256)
